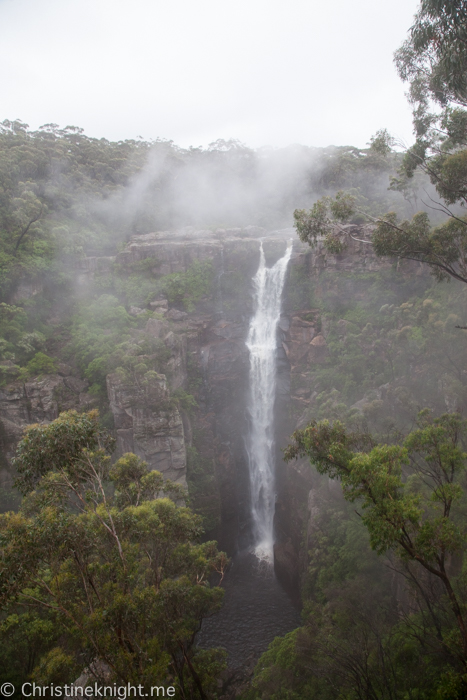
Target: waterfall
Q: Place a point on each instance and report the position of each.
(261, 342)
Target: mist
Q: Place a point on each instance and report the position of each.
(231, 185)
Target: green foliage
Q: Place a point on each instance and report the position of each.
(443, 248)
(134, 483)
(18, 343)
(64, 195)
(433, 60)
(188, 288)
(48, 180)
(313, 224)
(41, 364)
(187, 402)
(366, 170)
(361, 636)
(392, 345)
(145, 266)
(382, 143)
(342, 206)
(55, 667)
(317, 222)
(434, 57)
(57, 446)
(411, 495)
(355, 640)
(102, 340)
(25, 638)
(123, 577)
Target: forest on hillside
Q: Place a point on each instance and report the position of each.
(107, 568)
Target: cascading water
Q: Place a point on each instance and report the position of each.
(261, 342)
(256, 609)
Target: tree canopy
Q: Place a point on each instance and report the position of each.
(109, 555)
(433, 60)
(412, 496)
(434, 57)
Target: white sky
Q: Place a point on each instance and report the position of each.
(269, 72)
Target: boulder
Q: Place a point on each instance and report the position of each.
(176, 315)
(318, 349)
(136, 311)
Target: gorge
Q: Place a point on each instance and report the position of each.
(233, 453)
(185, 392)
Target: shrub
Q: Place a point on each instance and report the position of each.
(41, 364)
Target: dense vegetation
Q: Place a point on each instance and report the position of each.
(100, 572)
(392, 345)
(433, 60)
(64, 196)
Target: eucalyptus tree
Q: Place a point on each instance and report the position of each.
(433, 60)
(115, 560)
(412, 499)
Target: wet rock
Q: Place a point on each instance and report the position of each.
(156, 328)
(25, 290)
(317, 349)
(77, 386)
(39, 400)
(173, 251)
(41, 396)
(97, 671)
(228, 330)
(159, 305)
(96, 264)
(148, 424)
(176, 364)
(255, 231)
(176, 315)
(136, 311)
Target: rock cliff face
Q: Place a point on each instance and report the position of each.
(147, 424)
(205, 356)
(36, 401)
(208, 358)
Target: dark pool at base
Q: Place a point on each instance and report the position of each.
(256, 609)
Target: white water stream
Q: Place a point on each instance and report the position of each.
(261, 342)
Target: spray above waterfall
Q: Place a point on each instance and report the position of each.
(261, 342)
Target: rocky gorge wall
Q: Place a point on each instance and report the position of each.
(39, 400)
(210, 360)
(205, 357)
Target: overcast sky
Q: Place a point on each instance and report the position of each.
(267, 72)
